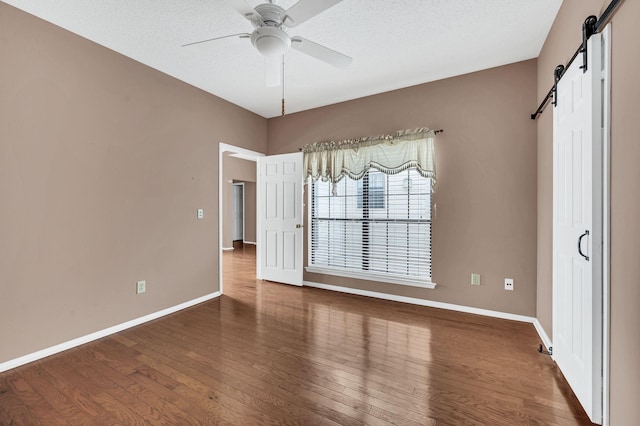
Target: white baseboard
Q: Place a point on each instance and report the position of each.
(250, 242)
(227, 248)
(433, 304)
(543, 334)
(424, 302)
(8, 365)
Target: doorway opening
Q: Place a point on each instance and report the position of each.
(236, 217)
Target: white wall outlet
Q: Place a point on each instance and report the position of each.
(141, 287)
(508, 283)
(200, 213)
(475, 279)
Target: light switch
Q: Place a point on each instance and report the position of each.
(475, 279)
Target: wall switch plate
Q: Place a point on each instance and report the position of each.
(200, 213)
(141, 287)
(508, 283)
(475, 279)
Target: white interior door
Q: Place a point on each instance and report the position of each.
(238, 212)
(279, 251)
(577, 230)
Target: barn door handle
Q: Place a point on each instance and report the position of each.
(586, 233)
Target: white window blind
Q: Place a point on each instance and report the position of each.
(379, 225)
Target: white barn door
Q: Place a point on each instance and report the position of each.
(279, 250)
(577, 229)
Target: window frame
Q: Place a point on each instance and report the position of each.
(348, 273)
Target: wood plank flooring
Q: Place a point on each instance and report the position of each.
(271, 354)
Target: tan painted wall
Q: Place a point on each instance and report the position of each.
(239, 170)
(103, 163)
(562, 41)
(486, 192)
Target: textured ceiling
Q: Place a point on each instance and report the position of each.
(394, 43)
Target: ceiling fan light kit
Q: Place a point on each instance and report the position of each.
(270, 41)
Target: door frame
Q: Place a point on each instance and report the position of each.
(239, 152)
(241, 184)
(606, 221)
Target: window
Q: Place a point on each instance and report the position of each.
(376, 228)
(375, 190)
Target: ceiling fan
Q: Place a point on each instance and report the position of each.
(270, 37)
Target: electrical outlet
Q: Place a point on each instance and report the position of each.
(141, 287)
(200, 213)
(475, 279)
(508, 283)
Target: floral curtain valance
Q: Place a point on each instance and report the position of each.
(333, 160)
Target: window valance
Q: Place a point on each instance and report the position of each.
(390, 154)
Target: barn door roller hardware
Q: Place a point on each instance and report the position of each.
(591, 26)
(557, 75)
(588, 29)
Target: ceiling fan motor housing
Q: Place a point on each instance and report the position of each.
(271, 14)
(270, 38)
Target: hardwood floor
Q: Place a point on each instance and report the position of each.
(272, 354)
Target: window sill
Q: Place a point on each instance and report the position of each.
(389, 279)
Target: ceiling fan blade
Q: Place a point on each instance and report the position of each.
(305, 10)
(321, 53)
(241, 35)
(245, 10)
(273, 70)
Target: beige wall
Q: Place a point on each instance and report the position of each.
(486, 191)
(103, 163)
(625, 203)
(238, 170)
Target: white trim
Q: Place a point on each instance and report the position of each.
(249, 242)
(17, 362)
(606, 224)
(227, 248)
(422, 302)
(258, 221)
(543, 334)
(234, 202)
(390, 279)
(247, 154)
(250, 157)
